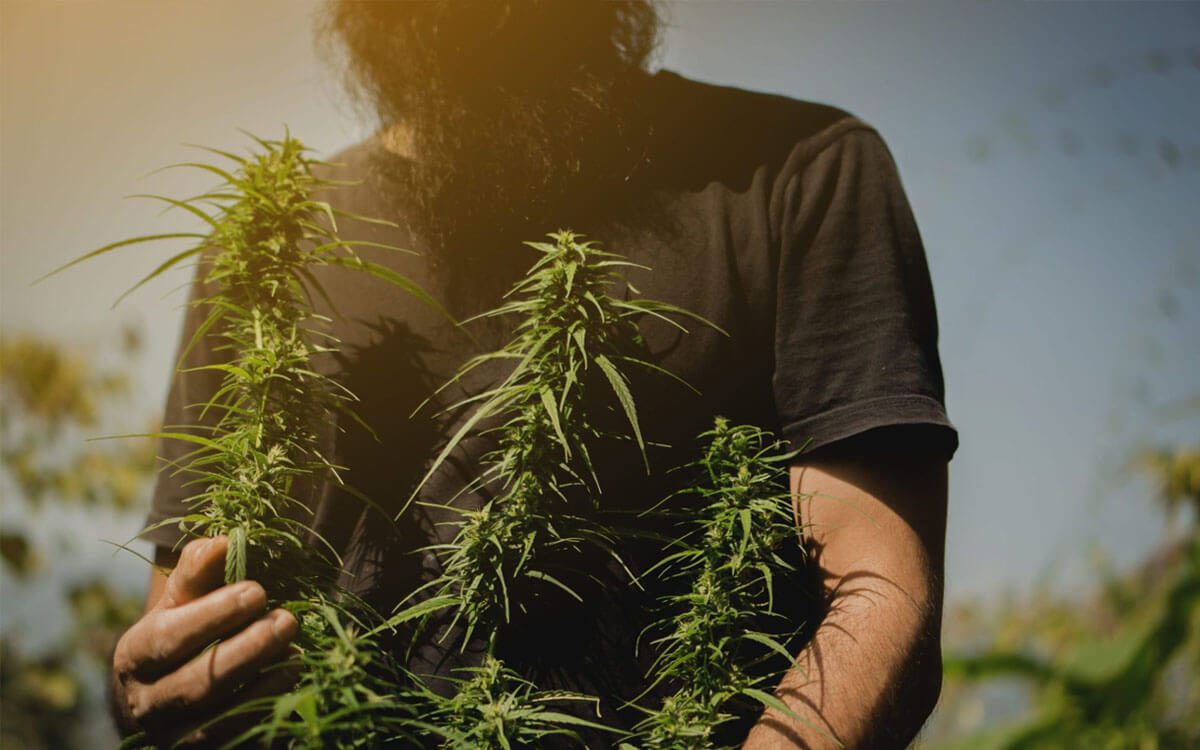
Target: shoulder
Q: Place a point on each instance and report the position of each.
(725, 133)
(356, 174)
(351, 161)
(723, 108)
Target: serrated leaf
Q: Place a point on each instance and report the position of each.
(769, 642)
(621, 389)
(421, 609)
(117, 245)
(235, 556)
(551, 407)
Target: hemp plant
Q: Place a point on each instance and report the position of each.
(738, 518)
(573, 335)
(496, 708)
(266, 234)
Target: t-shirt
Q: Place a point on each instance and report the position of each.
(783, 222)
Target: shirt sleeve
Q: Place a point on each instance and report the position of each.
(190, 389)
(856, 329)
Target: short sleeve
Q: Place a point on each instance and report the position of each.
(190, 389)
(856, 328)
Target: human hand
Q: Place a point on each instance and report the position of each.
(168, 682)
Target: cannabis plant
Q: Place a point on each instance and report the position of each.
(575, 338)
(496, 708)
(266, 233)
(573, 334)
(727, 559)
(349, 693)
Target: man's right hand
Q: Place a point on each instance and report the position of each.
(167, 681)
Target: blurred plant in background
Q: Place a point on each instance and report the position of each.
(1118, 669)
(52, 399)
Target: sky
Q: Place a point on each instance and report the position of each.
(1050, 152)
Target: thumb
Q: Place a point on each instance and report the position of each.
(201, 569)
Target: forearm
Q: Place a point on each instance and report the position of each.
(872, 672)
(869, 677)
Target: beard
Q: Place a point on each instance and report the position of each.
(521, 117)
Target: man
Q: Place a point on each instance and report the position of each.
(781, 221)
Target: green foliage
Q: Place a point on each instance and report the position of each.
(44, 698)
(570, 328)
(40, 699)
(49, 396)
(1122, 671)
(349, 695)
(267, 237)
(495, 708)
(574, 338)
(738, 518)
(1177, 472)
(570, 340)
(267, 233)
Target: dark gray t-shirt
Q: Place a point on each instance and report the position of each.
(781, 221)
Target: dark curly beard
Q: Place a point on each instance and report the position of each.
(522, 118)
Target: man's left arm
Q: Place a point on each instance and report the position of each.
(872, 672)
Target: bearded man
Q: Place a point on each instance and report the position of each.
(781, 221)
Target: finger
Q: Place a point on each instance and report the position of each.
(201, 569)
(220, 670)
(165, 639)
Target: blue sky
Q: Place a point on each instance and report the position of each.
(1050, 151)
